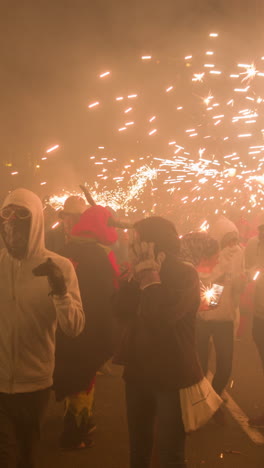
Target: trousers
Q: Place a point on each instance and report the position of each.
(147, 408)
(20, 420)
(222, 334)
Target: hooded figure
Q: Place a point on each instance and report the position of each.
(77, 361)
(28, 318)
(221, 227)
(228, 271)
(218, 321)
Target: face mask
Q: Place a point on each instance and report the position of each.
(15, 233)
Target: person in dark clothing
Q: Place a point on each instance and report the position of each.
(57, 237)
(77, 361)
(158, 306)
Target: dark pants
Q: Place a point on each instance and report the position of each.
(258, 336)
(223, 339)
(20, 418)
(145, 407)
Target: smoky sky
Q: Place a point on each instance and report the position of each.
(52, 50)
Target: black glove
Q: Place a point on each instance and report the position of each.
(54, 275)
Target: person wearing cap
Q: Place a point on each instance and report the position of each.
(73, 208)
(77, 361)
(254, 262)
(157, 305)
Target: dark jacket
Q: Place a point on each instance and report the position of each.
(159, 345)
(77, 360)
(55, 239)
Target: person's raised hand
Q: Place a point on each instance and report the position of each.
(55, 276)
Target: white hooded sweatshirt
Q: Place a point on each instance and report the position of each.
(227, 272)
(28, 314)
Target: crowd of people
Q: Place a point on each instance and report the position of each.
(95, 289)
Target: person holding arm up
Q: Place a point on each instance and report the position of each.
(159, 304)
(38, 289)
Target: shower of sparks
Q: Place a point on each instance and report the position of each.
(193, 138)
(117, 199)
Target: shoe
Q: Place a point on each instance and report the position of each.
(257, 422)
(105, 370)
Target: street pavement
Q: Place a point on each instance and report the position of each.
(232, 446)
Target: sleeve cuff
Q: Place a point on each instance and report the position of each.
(65, 299)
(149, 278)
(145, 286)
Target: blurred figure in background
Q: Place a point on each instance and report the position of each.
(73, 208)
(89, 249)
(218, 323)
(254, 261)
(201, 250)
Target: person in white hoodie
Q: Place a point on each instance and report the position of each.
(38, 290)
(218, 322)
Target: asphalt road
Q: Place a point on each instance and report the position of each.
(212, 446)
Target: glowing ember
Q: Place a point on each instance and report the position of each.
(53, 148)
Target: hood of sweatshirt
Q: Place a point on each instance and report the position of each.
(27, 199)
(222, 229)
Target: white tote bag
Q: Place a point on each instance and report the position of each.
(198, 404)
